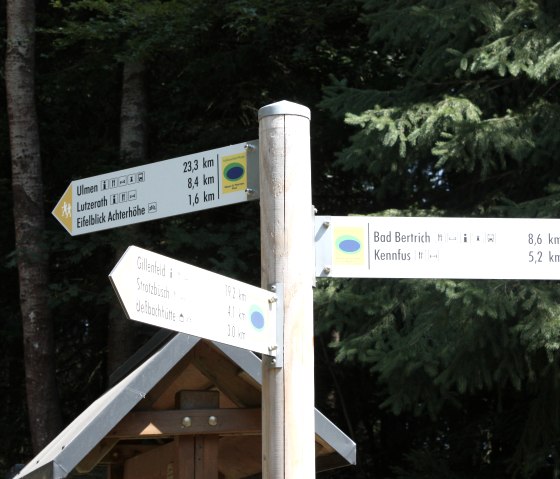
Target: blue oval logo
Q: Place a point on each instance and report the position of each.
(257, 318)
(348, 244)
(234, 171)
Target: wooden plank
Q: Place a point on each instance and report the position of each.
(184, 464)
(115, 471)
(190, 378)
(225, 375)
(197, 399)
(165, 384)
(96, 455)
(157, 424)
(153, 464)
(206, 457)
(124, 451)
(240, 456)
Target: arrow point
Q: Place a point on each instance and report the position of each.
(63, 209)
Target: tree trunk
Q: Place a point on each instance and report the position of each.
(121, 343)
(32, 252)
(133, 142)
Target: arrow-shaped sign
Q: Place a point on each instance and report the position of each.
(157, 190)
(429, 247)
(164, 292)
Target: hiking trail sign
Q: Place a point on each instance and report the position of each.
(430, 247)
(157, 190)
(164, 292)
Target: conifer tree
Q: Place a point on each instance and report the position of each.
(460, 119)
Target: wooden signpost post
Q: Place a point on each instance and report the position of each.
(287, 258)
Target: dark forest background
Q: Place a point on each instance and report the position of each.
(419, 107)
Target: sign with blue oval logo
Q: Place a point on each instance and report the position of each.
(234, 173)
(256, 317)
(348, 246)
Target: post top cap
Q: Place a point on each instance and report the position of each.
(284, 107)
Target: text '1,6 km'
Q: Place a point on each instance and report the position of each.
(415, 247)
(164, 292)
(166, 188)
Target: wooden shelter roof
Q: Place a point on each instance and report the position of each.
(140, 413)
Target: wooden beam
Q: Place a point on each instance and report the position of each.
(156, 424)
(164, 384)
(184, 457)
(96, 455)
(226, 375)
(124, 451)
(154, 463)
(206, 457)
(197, 399)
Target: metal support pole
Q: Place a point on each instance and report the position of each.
(287, 260)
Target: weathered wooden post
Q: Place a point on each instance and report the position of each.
(287, 265)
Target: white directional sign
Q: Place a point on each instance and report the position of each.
(164, 292)
(157, 190)
(468, 248)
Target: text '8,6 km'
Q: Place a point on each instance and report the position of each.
(429, 247)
